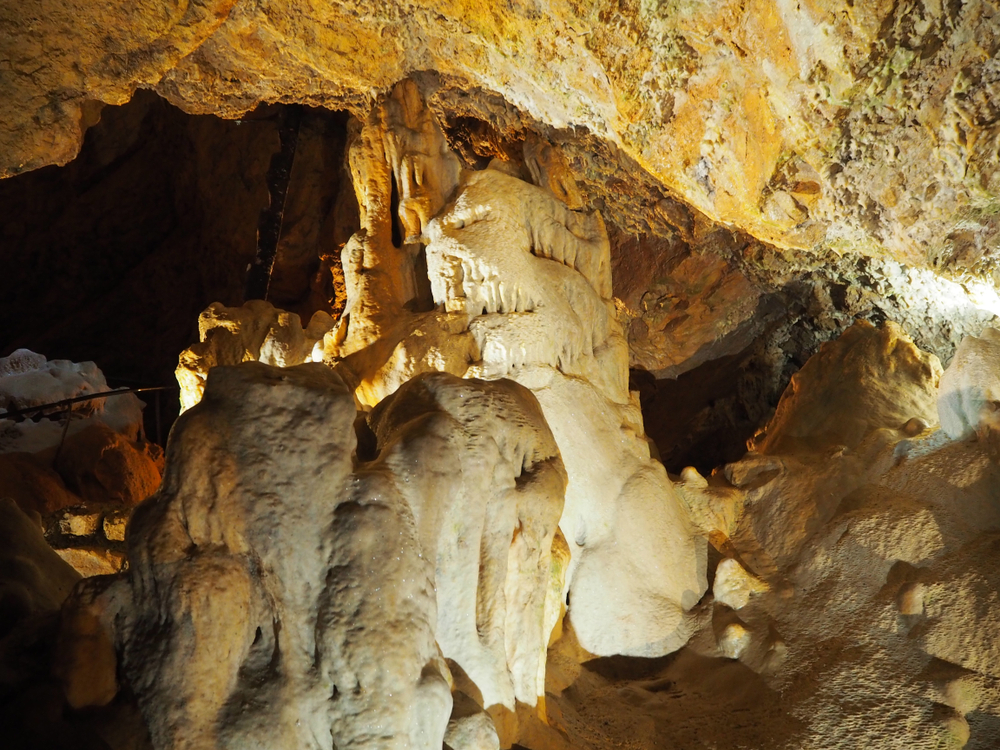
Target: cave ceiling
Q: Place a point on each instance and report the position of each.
(828, 127)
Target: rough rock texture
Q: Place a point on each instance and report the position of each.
(284, 591)
(704, 192)
(256, 332)
(869, 378)
(253, 568)
(803, 124)
(853, 587)
(969, 388)
(520, 287)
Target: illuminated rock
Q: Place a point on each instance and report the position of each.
(969, 400)
(803, 124)
(28, 379)
(520, 287)
(271, 542)
(481, 472)
(265, 548)
(866, 553)
(255, 332)
(733, 586)
(868, 378)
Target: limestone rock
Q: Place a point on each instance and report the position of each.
(34, 485)
(522, 289)
(869, 378)
(103, 467)
(470, 728)
(336, 575)
(970, 388)
(256, 332)
(113, 526)
(91, 560)
(874, 596)
(79, 524)
(28, 379)
(492, 504)
(246, 576)
(733, 585)
(34, 578)
(801, 124)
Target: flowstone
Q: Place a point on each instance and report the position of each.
(282, 592)
(493, 277)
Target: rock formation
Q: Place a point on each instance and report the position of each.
(79, 466)
(520, 287)
(802, 124)
(530, 260)
(281, 591)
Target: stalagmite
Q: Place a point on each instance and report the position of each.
(969, 401)
(283, 592)
(521, 289)
(628, 375)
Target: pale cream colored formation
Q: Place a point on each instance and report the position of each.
(371, 528)
(517, 285)
(285, 592)
(860, 580)
(481, 472)
(256, 332)
(970, 389)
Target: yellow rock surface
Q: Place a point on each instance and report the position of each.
(886, 106)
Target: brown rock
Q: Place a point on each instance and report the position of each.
(32, 577)
(92, 561)
(104, 467)
(33, 485)
(84, 660)
(800, 123)
(867, 379)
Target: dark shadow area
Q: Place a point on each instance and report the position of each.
(683, 700)
(112, 257)
(701, 418)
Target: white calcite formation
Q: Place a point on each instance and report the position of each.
(276, 598)
(481, 472)
(256, 332)
(284, 593)
(969, 402)
(27, 379)
(520, 287)
(506, 281)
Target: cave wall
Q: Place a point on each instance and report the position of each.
(806, 124)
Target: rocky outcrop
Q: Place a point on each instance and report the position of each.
(802, 124)
(853, 580)
(80, 466)
(519, 287)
